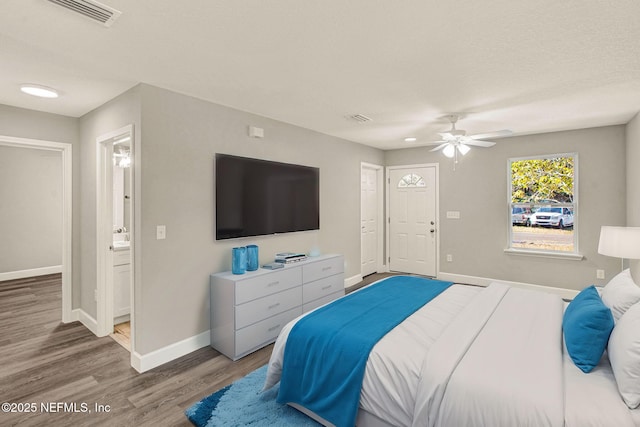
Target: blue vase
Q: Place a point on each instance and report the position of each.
(239, 260)
(252, 258)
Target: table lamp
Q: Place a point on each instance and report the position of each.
(620, 242)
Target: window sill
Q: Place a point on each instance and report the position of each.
(545, 254)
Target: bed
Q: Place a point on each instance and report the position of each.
(475, 356)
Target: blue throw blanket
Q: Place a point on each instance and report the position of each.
(327, 351)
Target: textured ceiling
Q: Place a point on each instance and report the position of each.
(526, 66)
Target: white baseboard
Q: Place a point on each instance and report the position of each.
(350, 281)
(33, 272)
(88, 321)
(145, 362)
(484, 281)
(142, 363)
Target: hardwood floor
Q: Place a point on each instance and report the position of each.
(367, 280)
(43, 361)
(122, 335)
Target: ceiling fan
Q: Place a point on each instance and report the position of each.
(456, 141)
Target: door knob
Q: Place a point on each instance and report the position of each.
(433, 230)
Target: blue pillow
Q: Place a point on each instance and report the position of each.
(587, 324)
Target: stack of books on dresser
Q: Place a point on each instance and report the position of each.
(290, 257)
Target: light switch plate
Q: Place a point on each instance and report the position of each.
(453, 214)
(161, 232)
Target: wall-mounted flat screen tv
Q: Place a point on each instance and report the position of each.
(258, 197)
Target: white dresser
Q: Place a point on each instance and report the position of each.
(249, 310)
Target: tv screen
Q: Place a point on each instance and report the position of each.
(258, 197)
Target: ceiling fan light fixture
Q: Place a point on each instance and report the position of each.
(449, 150)
(410, 139)
(463, 149)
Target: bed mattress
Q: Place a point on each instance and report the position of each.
(449, 364)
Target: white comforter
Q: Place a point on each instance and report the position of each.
(478, 357)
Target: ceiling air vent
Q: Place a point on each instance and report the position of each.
(359, 118)
(91, 9)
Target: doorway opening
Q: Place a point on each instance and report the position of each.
(115, 243)
(65, 150)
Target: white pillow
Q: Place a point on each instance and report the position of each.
(620, 294)
(624, 355)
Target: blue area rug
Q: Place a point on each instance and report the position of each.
(244, 404)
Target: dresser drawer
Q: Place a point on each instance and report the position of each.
(257, 310)
(320, 269)
(267, 284)
(264, 332)
(321, 301)
(322, 287)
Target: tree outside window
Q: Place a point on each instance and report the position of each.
(542, 203)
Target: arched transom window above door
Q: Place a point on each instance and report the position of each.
(411, 180)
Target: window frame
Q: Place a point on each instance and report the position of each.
(575, 254)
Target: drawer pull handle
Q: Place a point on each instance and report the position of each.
(274, 283)
(272, 306)
(326, 268)
(326, 287)
(273, 328)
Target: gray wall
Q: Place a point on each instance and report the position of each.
(115, 114)
(478, 189)
(633, 178)
(180, 136)
(31, 208)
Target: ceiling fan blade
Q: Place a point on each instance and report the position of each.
(496, 134)
(440, 147)
(480, 143)
(446, 135)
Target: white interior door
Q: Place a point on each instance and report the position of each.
(412, 220)
(369, 220)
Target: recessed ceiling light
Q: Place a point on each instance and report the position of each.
(39, 90)
(410, 139)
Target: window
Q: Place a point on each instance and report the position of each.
(411, 180)
(543, 204)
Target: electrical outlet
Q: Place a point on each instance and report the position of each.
(449, 258)
(599, 274)
(161, 232)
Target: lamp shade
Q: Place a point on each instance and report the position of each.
(620, 242)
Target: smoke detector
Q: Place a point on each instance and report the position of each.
(104, 14)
